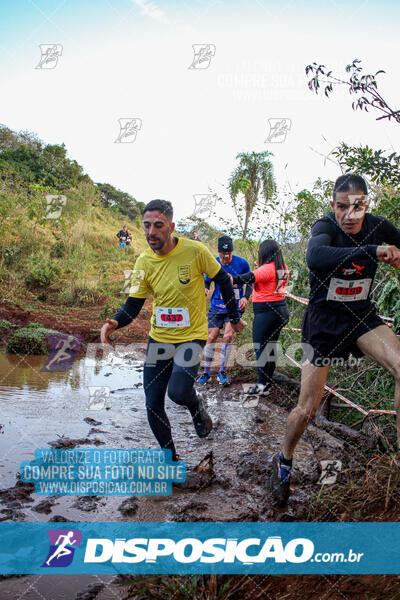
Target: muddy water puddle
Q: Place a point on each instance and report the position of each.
(39, 409)
(61, 587)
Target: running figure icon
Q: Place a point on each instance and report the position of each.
(62, 550)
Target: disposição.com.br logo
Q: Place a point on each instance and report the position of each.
(62, 547)
(246, 551)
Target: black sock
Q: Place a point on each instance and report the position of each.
(194, 409)
(285, 461)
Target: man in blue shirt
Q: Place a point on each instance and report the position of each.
(195, 237)
(217, 314)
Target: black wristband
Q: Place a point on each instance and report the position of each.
(235, 321)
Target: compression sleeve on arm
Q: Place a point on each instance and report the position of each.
(129, 311)
(245, 278)
(224, 281)
(321, 255)
(248, 291)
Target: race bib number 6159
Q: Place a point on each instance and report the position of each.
(172, 317)
(348, 291)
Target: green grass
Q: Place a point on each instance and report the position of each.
(29, 340)
(5, 325)
(76, 264)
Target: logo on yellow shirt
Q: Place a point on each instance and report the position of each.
(184, 274)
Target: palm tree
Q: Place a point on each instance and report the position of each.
(254, 178)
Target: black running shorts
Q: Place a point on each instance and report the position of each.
(217, 318)
(332, 334)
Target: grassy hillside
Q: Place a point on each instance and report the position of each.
(77, 263)
(72, 260)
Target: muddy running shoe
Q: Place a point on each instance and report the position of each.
(259, 389)
(203, 378)
(280, 481)
(223, 378)
(202, 421)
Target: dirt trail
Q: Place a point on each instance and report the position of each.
(242, 443)
(85, 322)
(234, 489)
(44, 409)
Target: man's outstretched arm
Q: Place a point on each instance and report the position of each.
(129, 311)
(228, 295)
(321, 255)
(124, 316)
(248, 278)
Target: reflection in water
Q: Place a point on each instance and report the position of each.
(22, 375)
(37, 407)
(26, 371)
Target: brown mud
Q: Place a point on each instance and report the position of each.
(228, 471)
(232, 486)
(85, 322)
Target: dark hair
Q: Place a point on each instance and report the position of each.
(225, 244)
(350, 182)
(270, 251)
(163, 206)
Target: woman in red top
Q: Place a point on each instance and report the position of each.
(270, 281)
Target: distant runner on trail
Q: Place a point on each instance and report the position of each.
(195, 236)
(122, 236)
(171, 270)
(128, 237)
(342, 254)
(270, 281)
(218, 315)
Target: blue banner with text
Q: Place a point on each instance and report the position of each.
(102, 472)
(181, 548)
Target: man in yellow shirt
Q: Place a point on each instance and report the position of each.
(171, 270)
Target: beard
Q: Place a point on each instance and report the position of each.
(156, 243)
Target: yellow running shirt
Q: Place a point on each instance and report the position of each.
(176, 282)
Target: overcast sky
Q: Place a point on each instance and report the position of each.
(130, 59)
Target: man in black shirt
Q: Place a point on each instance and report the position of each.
(342, 255)
(122, 236)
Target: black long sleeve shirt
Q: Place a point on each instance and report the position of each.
(343, 266)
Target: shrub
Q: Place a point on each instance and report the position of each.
(388, 301)
(41, 273)
(58, 250)
(79, 295)
(28, 341)
(10, 255)
(4, 324)
(35, 325)
(31, 339)
(111, 306)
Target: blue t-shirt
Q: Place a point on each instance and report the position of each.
(238, 266)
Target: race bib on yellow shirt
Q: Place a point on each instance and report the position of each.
(172, 317)
(348, 291)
